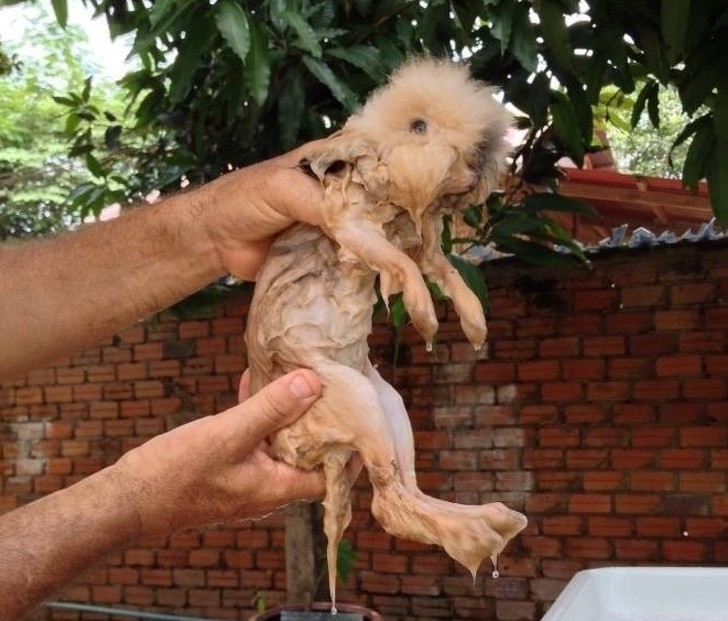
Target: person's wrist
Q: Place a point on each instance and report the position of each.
(193, 212)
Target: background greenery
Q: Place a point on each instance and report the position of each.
(236, 81)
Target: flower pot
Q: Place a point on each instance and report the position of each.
(320, 611)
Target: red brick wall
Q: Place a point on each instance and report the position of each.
(600, 410)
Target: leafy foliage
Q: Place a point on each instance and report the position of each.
(36, 172)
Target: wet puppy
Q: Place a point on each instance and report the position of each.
(428, 143)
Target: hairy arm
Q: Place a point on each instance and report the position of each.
(44, 543)
(207, 471)
(67, 292)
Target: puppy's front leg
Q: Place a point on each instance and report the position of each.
(435, 266)
(397, 271)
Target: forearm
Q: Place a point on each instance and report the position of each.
(64, 293)
(45, 544)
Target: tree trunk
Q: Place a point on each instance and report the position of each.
(306, 553)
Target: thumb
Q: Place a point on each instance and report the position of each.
(276, 405)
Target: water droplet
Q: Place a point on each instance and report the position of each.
(495, 574)
(686, 533)
(333, 610)
(428, 346)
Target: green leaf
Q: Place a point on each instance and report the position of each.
(291, 106)
(544, 201)
(523, 39)
(653, 107)
(365, 57)
(565, 124)
(257, 64)
(398, 312)
(473, 216)
(232, 24)
(536, 253)
(64, 101)
(717, 176)
(649, 90)
(94, 166)
(307, 39)
(502, 18)
(86, 94)
(112, 136)
(339, 89)
(346, 559)
(698, 156)
(720, 111)
(196, 42)
(60, 8)
(556, 34)
(473, 277)
(686, 132)
(674, 18)
(446, 241)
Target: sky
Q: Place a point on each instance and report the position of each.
(107, 55)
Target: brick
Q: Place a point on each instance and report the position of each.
(652, 344)
(580, 414)
(684, 552)
(156, 577)
(420, 585)
(643, 296)
(609, 527)
(583, 368)
(608, 391)
(692, 293)
(708, 341)
(630, 322)
(546, 589)
(629, 368)
(685, 504)
(657, 527)
(495, 372)
(708, 482)
(458, 460)
(559, 347)
(682, 413)
(703, 436)
(708, 388)
(558, 437)
(375, 582)
(471, 439)
(646, 481)
(563, 525)
(537, 459)
(684, 365)
(712, 528)
(590, 503)
(683, 459)
(636, 549)
(507, 610)
(580, 459)
(604, 346)
(667, 320)
(561, 568)
(562, 391)
(194, 329)
(644, 504)
(539, 414)
(595, 299)
(603, 480)
(538, 370)
(654, 437)
(588, 548)
(656, 390)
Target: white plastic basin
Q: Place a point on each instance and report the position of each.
(644, 594)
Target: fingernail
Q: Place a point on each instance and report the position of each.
(300, 388)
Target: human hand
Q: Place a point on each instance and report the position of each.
(216, 468)
(248, 207)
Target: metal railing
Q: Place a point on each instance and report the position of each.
(121, 612)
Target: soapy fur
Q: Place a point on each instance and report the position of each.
(429, 142)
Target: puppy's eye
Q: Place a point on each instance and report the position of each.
(418, 126)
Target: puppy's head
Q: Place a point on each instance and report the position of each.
(439, 131)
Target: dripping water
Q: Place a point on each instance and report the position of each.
(496, 573)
